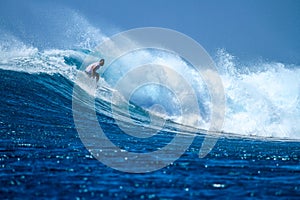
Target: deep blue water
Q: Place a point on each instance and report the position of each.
(43, 156)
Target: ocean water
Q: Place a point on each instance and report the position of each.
(42, 155)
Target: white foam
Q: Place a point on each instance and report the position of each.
(262, 99)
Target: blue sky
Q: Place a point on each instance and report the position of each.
(254, 29)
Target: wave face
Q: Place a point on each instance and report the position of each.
(262, 99)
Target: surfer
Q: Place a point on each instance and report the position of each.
(92, 68)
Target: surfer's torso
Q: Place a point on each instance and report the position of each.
(90, 69)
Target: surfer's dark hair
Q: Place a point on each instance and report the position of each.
(102, 60)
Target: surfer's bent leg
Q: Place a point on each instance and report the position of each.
(89, 74)
(97, 77)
